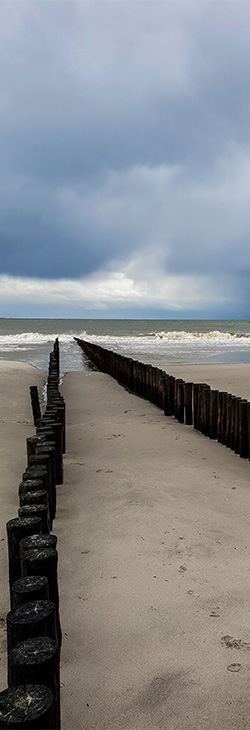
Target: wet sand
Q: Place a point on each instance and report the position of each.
(154, 542)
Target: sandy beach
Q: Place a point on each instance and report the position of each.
(153, 540)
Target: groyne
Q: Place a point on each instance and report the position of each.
(218, 415)
(32, 697)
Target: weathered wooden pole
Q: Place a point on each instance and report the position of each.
(36, 618)
(35, 403)
(27, 707)
(44, 561)
(32, 442)
(39, 496)
(206, 411)
(195, 404)
(228, 419)
(30, 588)
(188, 410)
(243, 429)
(232, 428)
(36, 510)
(38, 542)
(31, 485)
(179, 400)
(237, 426)
(37, 660)
(224, 419)
(221, 407)
(16, 530)
(213, 417)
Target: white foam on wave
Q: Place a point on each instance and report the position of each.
(161, 340)
(34, 338)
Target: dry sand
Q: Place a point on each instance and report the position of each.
(154, 543)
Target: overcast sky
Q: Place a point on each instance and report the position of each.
(125, 158)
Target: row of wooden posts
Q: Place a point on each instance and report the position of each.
(218, 415)
(32, 699)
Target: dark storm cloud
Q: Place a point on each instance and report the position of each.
(125, 129)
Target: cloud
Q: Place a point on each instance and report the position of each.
(124, 131)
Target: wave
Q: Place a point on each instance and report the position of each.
(35, 338)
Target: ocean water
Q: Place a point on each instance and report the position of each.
(159, 342)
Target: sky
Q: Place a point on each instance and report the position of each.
(125, 158)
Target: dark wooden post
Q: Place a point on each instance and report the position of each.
(195, 403)
(213, 419)
(32, 442)
(37, 660)
(188, 415)
(27, 707)
(220, 415)
(31, 588)
(224, 419)
(243, 422)
(44, 561)
(228, 418)
(148, 382)
(206, 411)
(39, 496)
(58, 438)
(237, 426)
(37, 472)
(179, 403)
(38, 542)
(31, 485)
(16, 530)
(233, 399)
(36, 510)
(50, 450)
(166, 400)
(36, 618)
(35, 403)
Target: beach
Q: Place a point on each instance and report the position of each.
(153, 540)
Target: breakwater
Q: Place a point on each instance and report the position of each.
(218, 415)
(32, 697)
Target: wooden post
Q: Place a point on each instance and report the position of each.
(26, 707)
(38, 542)
(213, 418)
(220, 416)
(224, 419)
(37, 660)
(32, 442)
(206, 410)
(37, 472)
(36, 618)
(35, 403)
(43, 561)
(148, 382)
(243, 423)
(39, 496)
(31, 485)
(36, 510)
(236, 426)
(195, 404)
(179, 407)
(233, 399)
(166, 403)
(58, 438)
(188, 415)
(16, 530)
(228, 419)
(30, 588)
(45, 461)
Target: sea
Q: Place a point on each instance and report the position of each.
(161, 342)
